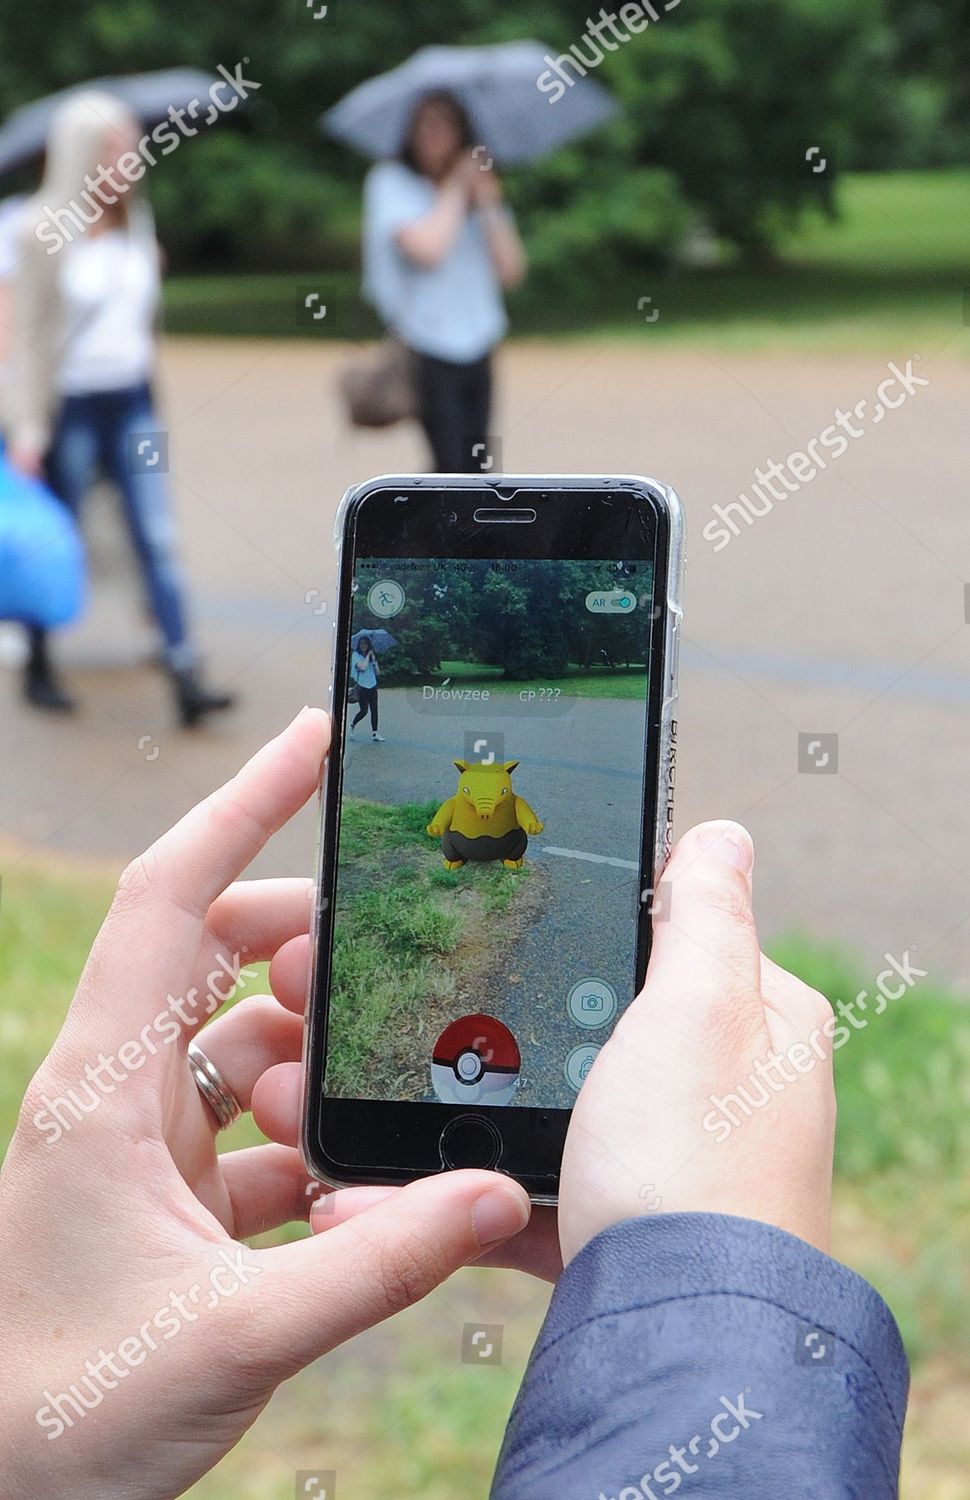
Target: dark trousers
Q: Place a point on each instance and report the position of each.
(367, 699)
(455, 403)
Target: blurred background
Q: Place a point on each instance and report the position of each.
(774, 221)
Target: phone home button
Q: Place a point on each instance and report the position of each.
(470, 1141)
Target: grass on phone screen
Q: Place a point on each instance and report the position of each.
(400, 926)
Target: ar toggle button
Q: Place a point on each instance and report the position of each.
(611, 602)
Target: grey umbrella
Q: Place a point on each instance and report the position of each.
(149, 96)
(499, 87)
(381, 640)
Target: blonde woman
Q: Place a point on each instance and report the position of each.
(85, 303)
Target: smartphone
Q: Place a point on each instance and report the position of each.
(495, 812)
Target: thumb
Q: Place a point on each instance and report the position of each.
(320, 1291)
(705, 942)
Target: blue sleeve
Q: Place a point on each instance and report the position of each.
(712, 1354)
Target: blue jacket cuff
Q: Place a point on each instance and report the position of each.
(669, 1332)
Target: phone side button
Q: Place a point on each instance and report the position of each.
(673, 664)
(470, 1141)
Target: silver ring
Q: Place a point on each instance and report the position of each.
(213, 1087)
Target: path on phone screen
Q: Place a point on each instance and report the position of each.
(841, 610)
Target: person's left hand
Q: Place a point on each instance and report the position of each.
(27, 459)
(139, 1336)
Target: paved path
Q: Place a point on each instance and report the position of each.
(841, 610)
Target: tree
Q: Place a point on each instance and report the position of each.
(720, 99)
(528, 618)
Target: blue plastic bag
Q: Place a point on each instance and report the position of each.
(42, 563)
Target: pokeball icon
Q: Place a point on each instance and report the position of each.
(475, 1061)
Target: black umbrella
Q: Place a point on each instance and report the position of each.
(149, 96)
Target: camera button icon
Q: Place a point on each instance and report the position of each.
(578, 1064)
(592, 1003)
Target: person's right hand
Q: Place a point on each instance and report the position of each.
(486, 186)
(459, 179)
(26, 459)
(713, 1008)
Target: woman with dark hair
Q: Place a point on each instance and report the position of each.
(365, 673)
(440, 246)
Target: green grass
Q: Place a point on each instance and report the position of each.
(579, 682)
(48, 919)
(401, 919)
(373, 828)
(893, 266)
(903, 1144)
(904, 1080)
(915, 223)
(269, 306)
(396, 1412)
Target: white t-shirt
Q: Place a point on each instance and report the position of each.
(453, 310)
(110, 286)
(11, 221)
(363, 671)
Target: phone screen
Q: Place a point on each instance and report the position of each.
(491, 824)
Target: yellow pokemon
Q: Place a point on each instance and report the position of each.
(485, 819)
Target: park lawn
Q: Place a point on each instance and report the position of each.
(50, 913)
(892, 267)
(397, 1412)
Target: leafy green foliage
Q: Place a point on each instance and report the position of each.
(529, 621)
(719, 99)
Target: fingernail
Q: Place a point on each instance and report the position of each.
(305, 711)
(359, 1199)
(497, 1215)
(732, 843)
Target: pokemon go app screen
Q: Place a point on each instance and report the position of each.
(488, 864)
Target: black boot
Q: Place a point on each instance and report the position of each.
(41, 685)
(193, 701)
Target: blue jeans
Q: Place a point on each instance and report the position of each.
(97, 432)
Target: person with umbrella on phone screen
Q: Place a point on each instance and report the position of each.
(365, 675)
